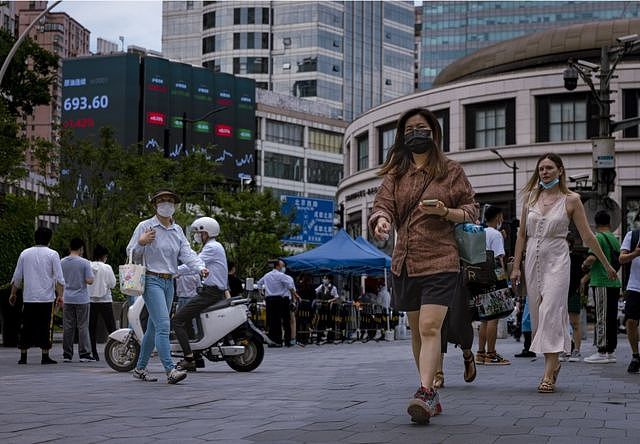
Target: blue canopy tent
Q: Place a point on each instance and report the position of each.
(340, 255)
(373, 249)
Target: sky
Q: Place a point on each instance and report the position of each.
(140, 22)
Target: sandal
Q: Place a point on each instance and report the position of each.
(546, 386)
(469, 368)
(438, 379)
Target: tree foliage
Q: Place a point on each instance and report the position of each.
(25, 85)
(251, 227)
(104, 193)
(17, 225)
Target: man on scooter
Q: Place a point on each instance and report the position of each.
(214, 289)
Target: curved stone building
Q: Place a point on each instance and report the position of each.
(509, 98)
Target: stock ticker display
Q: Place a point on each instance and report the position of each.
(148, 100)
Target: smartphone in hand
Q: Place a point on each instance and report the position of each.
(430, 202)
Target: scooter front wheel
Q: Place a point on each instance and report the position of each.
(252, 356)
(122, 357)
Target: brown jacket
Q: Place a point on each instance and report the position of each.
(425, 244)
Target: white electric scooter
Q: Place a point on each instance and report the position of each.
(225, 333)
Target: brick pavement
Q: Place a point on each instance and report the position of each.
(348, 393)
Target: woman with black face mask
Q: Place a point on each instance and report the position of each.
(423, 195)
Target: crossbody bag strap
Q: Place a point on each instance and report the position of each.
(411, 207)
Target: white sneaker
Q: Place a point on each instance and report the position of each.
(611, 357)
(562, 357)
(174, 376)
(575, 356)
(597, 358)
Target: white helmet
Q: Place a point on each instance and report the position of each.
(208, 224)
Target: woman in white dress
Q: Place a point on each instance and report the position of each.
(548, 209)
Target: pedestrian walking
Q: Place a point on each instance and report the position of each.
(161, 243)
(548, 209)
(629, 256)
(100, 296)
(488, 333)
(214, 289)
(75, 310)
(606, 293)
(423, 195)
(39, 273)
(277, 288)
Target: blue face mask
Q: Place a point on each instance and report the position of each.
(548, 186)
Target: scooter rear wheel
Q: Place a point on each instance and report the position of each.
(122, 357)
(252, 356)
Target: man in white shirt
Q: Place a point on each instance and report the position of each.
(100, 295)
(39, 273)
(629, 257)
(214, 289)
(489, 329)
(278, 289)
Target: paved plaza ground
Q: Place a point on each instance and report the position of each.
(347, 393)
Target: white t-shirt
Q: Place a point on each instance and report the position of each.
(37, 271)
(104, 280)
(495, 241)
(634, 275)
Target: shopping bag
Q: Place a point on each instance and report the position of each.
(480, 275)
(494, 304)
(472, 243)
(132, 277)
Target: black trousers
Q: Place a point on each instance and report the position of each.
(206, 297)
(103, 310)
(606, 330)
(37, 325)
(278, 318)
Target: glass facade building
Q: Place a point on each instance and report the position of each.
(451, 30)
(350, 56)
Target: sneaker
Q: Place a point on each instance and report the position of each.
(597, 358)
(563, 357)
(480, 357)
(87, 358)
(424, 405)
(143, 375)
(495, 359)
(66, 359)
(189, 366)
(634, 366)
(47, 360)
(612, 358)
(525, 354)
(575, 356)
(174, 376)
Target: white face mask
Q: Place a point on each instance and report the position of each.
(283, 269)
(325, 281)
(197, 238)
(166, 209)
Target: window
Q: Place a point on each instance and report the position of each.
(305, 88)
(265, 16)
(189, 5)
(630, 102)
(490, 124)
(323, 173)
(386, 137)
(251, 40)
(236, 40)
(285, 133)
(250, 65)
(308, 64)
(325, 141)
(209, 44)
(251, 16)
(211, 64)
(236, 16)
(363, 152)
(443, 119)
(565, 117)
(209, 20)
(282, 166)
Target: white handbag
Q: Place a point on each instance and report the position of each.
(132, 277)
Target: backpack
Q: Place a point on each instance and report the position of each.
(626, 268)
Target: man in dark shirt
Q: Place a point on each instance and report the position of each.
(235, 284)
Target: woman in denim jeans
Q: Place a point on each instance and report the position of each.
(159, 242)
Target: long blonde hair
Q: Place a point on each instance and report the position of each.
(399, 158)
(532, 189)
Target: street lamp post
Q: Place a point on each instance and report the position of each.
(25, 33)
(185, 121)
(514, 206)
(604, 144)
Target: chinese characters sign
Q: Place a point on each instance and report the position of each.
(313, 216)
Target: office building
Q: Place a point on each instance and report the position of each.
(510, 98)
(453, 29)
(350, 56)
